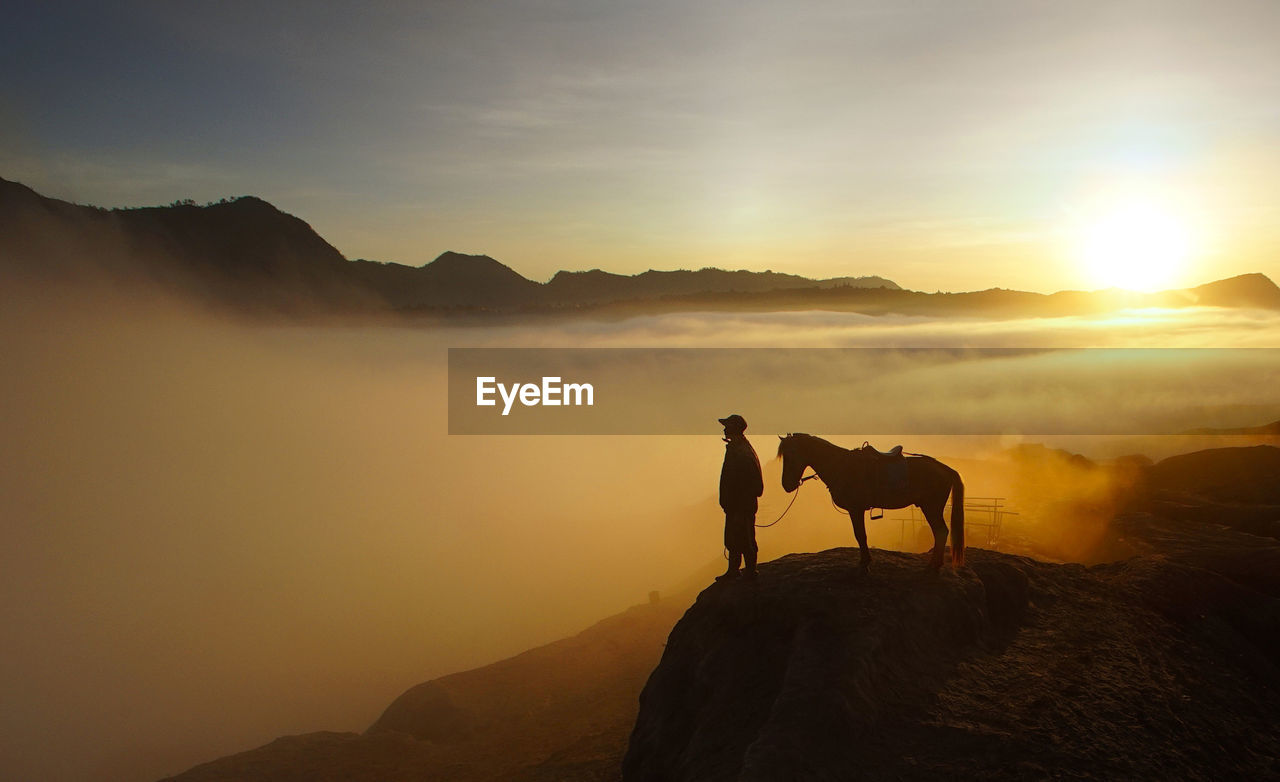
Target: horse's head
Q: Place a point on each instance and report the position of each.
(793, 463)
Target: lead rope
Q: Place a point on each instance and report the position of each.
(794, 497)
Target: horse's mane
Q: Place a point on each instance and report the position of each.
(809, 439)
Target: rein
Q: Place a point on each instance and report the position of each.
(794, 497)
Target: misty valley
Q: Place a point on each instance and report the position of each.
(263, 529)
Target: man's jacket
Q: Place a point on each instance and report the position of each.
(740, 479)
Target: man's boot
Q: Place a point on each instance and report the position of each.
(735, 561)
(750, 570)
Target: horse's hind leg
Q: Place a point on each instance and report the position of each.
(933, 514)
(858, 517)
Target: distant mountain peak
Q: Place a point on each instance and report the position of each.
(454, 264)
(251, 202)
(570, 273)
(451, 258)
(1244, 290)
(1251, 278)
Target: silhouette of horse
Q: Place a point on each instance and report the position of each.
(857, 482)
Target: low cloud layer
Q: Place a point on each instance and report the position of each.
(219, 531)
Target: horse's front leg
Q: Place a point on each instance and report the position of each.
(858, 517)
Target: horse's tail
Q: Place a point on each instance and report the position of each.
(957, 520)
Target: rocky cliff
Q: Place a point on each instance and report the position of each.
(1009, 669)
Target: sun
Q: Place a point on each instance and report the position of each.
(1137, 245)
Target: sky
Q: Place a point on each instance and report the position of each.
(944, 145)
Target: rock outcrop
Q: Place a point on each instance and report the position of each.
(1008, 669)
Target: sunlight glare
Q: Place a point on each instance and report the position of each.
(1137, 245)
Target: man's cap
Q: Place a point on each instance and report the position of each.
(734, 420)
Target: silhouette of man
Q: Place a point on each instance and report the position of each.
(741, 484)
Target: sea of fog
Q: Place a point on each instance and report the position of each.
(218, 531)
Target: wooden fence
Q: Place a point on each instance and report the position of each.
(983, 519)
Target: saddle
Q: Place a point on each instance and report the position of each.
(893, 453)
(889, 475)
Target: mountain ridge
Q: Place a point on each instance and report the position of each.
(246, 249)
(246, 254)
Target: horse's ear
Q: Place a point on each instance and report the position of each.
(780, 437)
